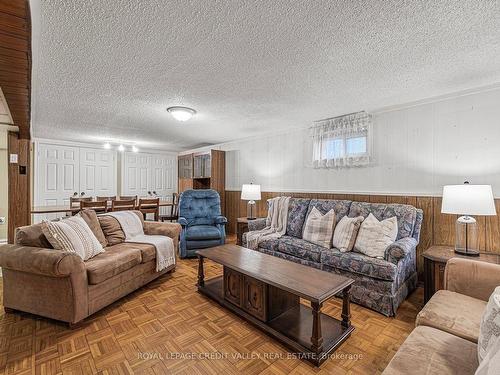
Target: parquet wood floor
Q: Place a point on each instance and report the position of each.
(137, 334)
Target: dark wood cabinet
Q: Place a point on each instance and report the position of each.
(205, 170)
(255, 297)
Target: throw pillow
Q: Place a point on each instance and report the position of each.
(92, 221)
(346, 232)
(490, 365)
(374, 236)
(73, 235)
(112, 230)
(319, 228)
(489, 330)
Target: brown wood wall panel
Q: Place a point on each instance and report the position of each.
(437, 228)
(15, 81)
(15, 61)
(19, 184)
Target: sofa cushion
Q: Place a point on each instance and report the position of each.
(359, 263)
(148, 251)
(300, 248)
(202, 232)
(405, 214)
(32, 235)
(92, 221)
(297, 210)
(454, 313)
(114, 260)
(269, 245)
(341, 207)
(431, 351)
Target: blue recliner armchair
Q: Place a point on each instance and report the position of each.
(201, 220)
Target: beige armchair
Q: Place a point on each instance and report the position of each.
(447, 329)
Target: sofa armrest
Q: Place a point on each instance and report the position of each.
(171, 230)
(400, 249)
(256, 224)
(220, 220)
(471, 277)
(37, 260)
(182, 221)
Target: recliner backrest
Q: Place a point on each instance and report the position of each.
(199, 207)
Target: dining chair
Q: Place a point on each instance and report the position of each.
(74, 202)
(174, 209)
(106, 199)
(99, 207)
(150, 206)
(123, 204)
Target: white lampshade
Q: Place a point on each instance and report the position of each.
(250, 192)
(468, 199)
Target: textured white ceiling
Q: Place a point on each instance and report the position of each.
(109, 69)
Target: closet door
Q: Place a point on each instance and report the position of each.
(163, 175)
(97, 172)
(136, 174)
(57, 176)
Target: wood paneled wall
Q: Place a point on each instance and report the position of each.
(15, 80)
(15, 61)
(19, 184)
(437, 228)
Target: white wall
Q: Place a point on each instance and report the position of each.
(417, 150)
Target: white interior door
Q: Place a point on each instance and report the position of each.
(136, 174)
(58, 176)
(97, 172)
(163, 175)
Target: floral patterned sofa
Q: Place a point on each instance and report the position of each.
(380, 284)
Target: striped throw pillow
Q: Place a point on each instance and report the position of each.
(319, 228)
(346, 232)
(73, 235)
(374, 236)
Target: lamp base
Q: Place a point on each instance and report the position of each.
(468, 252)
(251, 210)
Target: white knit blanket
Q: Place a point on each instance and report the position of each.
(276, 221)
(134, 232)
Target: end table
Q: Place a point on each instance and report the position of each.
(435, 258)
(241, 227)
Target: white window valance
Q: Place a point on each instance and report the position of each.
(343, 141)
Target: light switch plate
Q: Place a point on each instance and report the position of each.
(13, 158)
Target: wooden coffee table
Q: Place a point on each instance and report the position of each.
(266, 291)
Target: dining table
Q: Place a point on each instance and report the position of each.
(74, 209)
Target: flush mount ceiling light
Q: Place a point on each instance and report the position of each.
(107, 145)
(181, 113)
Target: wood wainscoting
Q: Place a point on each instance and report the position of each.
(437, 228)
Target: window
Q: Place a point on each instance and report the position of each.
(342, 141)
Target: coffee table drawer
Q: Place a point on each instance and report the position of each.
(255, 297)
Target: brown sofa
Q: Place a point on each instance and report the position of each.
(447, 329)
(60, 285)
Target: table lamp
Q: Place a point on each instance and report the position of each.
(250, 193)
(467, 200)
